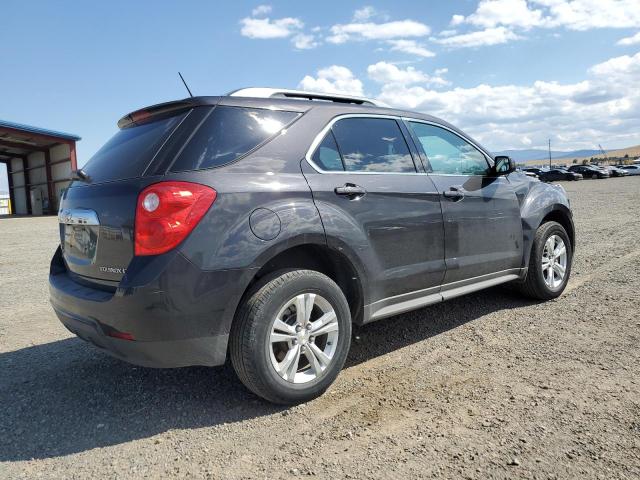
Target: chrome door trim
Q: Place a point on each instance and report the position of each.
(406, 302)
(78, 216)
(320, 136)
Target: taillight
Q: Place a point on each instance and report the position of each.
(167, 212)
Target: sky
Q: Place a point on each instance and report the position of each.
(512, 73)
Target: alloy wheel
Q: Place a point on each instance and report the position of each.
(554, 261)
(303, 338)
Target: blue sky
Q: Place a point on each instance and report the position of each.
(511, 72)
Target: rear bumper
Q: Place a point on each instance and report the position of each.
(176, 314)
(156, 354)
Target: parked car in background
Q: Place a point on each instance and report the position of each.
(615, 171)
(259, 225)
(559, 174)
(589, 171)
(554, 174)
(630, 169)
(533, 170)
(527, 173)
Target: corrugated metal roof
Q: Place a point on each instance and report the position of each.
(37, 130)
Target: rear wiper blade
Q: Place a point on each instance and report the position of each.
(81, 175)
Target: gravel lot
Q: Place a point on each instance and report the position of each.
(486, 386)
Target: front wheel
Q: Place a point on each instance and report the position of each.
(291, 337)
(549, 263)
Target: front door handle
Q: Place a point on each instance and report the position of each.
(351, 191)
(454, 193)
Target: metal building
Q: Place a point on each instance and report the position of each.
(39, 165)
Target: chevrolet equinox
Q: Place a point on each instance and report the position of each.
(259, 225)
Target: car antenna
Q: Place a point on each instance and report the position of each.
(185, 85)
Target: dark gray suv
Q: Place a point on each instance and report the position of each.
(259, 225)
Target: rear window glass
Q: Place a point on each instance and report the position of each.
(128, 152)
(372, 145)
(228, 133)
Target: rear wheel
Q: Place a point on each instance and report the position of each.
(291, 337)
(549, 264)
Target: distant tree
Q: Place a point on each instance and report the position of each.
(585, 161)
(575, 160)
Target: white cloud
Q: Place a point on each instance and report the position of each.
(333, 79)
(302, 41)
(633, 40)
(261, 10)
(364, 14)
(388, 73)
(513, 13)
(571, 14)
(457, 20)
(618, 67)
(342, 33)
(489, 36)
(267, 28)
(410, 46)
(588, 14)
(605, 107)
(448, 33)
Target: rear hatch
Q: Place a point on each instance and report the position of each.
(97, 213)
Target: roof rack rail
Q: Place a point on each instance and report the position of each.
(259, 92)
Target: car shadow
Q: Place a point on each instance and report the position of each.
(65, 397)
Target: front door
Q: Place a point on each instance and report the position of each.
(373, 201)
(483, 228)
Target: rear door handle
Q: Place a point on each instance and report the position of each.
(454, 193)
(350, 190)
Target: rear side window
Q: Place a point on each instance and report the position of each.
(228, 133)
(128, 152)
(327, 156)
(372, 145)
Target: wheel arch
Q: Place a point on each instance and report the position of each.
(562, 215)
(319, 257)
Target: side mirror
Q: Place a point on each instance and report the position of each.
(503, 165)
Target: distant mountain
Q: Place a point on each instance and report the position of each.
(539, 154)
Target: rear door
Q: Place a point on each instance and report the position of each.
(483, 228)
(374, 201)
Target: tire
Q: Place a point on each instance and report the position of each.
(255, 358)
(535, 284)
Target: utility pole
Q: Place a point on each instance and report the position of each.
(604, 154)
(549, 153)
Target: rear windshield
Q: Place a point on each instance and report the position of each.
(130, 150)
(228, 133)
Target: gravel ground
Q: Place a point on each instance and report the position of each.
(485, 386)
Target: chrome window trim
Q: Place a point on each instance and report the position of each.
(320, 136)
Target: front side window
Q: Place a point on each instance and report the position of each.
(228, 133)
(447, 152)
(372, 145)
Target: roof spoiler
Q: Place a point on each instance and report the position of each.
(155, 110)
(259, 92)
